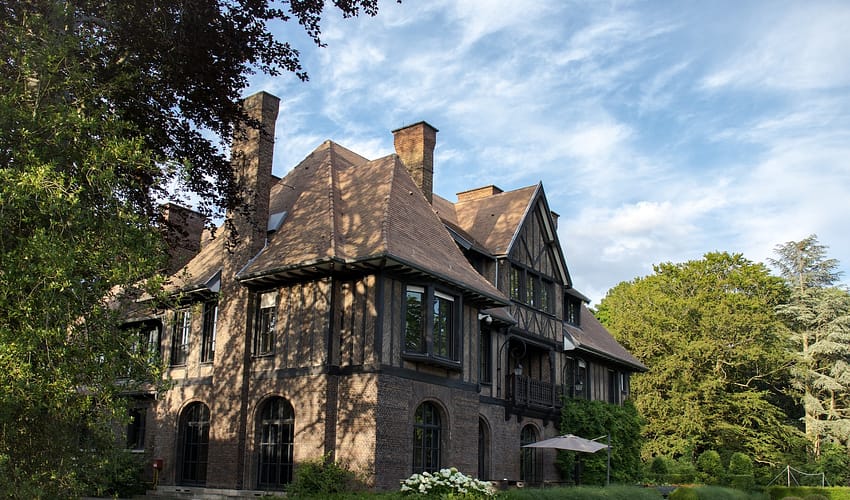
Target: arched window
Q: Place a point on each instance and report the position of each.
(427, 431)
(275, 434)
(528, 469)
(483, 450)
(194, 439)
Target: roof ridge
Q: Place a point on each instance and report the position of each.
(332, 188)
(385, 219)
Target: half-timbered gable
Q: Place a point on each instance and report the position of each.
(359, 314)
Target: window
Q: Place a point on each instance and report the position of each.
(545, 296)
(572, 311)
(431, 324)
(414, 330)
(194, 439)
(180, 337)
(613, 387)
(483, 450)
(528, 468)
(426, 439)
(149, 342)
(208, 332)
(136, 428)
(485, 369)
(516, 283)
(444, 326)
(582, 384)
(531, 289)
(276, 434)
(264, 323)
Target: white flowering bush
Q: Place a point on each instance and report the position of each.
(447, 483)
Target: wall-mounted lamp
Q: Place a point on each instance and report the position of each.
(518, 370)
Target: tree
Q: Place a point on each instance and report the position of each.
(102, 105)
(709, 333)
(818, 314)
(175, 71)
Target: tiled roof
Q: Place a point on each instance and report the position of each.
(345, 209)
(493, 220)
(593, 337)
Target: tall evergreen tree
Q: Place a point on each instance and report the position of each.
(715, 348)
(818, 315)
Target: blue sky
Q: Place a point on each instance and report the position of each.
(660, 130)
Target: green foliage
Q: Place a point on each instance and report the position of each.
(659, 466)
(834, 462)
(801, 492)
(713, 493)
(683, 493)
(717, 353)
(97, 117)
(710, 467)
(818, 314)
(582, 493)
(591, 419)
(321, 477)
(741, 473)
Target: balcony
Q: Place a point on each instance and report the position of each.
(526, 391)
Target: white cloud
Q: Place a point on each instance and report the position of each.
(795, 49)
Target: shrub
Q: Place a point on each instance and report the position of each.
(446, 482)
(815, 496)
(741, 472)
(582, 493)
(322, 477)
(713, 493)
(683, 493)
(710, 467)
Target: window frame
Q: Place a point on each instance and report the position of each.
(427, 438)
(265, 323)
(485, 355)
(572, 310)
(136, 428)
(208, 331)
(529, 459)
(531, 289)
(438, 307)
(180, 345)
(275, 440)
(194, 440)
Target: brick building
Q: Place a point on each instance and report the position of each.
(360, 314)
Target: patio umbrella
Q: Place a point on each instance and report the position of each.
(569, 442)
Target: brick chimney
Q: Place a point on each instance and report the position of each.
(251, 158)
(414, 145)
(183, 228)
(478, 193)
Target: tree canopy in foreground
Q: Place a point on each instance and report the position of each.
(717, 356)
(103, 106)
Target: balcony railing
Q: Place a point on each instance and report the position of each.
(526, 391)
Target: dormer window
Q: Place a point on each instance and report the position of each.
(431, 324)
(572, 310)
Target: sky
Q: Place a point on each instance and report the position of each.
(660, 130)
